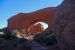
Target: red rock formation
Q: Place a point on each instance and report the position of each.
(24, 20)
(36, 28)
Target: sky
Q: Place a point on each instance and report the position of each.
(44, 25)
(9, 8)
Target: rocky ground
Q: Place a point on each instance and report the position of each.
(28, 45)
(8, 41)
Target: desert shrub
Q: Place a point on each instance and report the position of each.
(1, 30)
(45, 39)
(8, 35)
(19, 33)
(12, 42)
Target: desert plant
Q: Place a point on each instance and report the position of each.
(9, 35)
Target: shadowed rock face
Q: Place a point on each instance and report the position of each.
(64, 25)
(24, 20)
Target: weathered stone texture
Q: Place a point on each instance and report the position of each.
(24, 20)
(64, 25)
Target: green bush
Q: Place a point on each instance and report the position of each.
(9, 36)
(12, 42)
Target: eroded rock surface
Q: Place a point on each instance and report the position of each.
(24, 20)
(64, 25)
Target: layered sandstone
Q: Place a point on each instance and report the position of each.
(24, 20)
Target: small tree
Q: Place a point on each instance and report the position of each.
(9, 35)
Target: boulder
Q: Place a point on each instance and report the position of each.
(64, 25)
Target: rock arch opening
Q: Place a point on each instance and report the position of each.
(37, 27)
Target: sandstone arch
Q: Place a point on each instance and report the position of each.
(24, 20)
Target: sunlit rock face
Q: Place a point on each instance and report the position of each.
(38, 27)
(64, 25)
(24, 20)
(35, 28)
